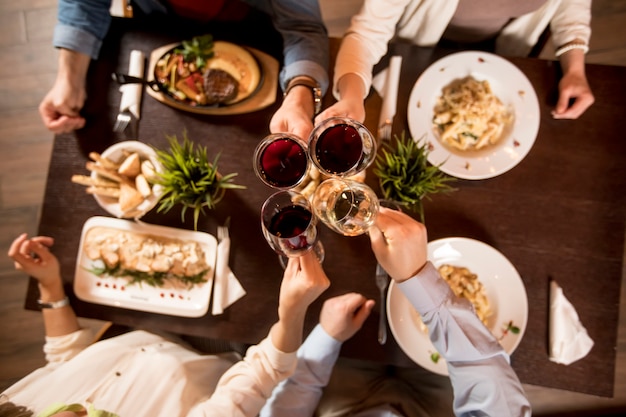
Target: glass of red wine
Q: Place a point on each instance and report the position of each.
(281, 160)
(289, 225)
(341, 147)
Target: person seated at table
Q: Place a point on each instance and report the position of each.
(83, 25)
(481, 377)
(145, 374)
(509, 28)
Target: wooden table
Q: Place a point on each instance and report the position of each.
(558, 214)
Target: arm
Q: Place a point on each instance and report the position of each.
(363, 45)
(78, 34)
(34, 258)
(340, 319)
(575, 95)
(571, 25)
(305, 52)
(481, 376)
(245, 387)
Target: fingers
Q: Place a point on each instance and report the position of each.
(44, 240)
(40, 250)
(16, 245)
(66, 124)
(580, 105)
(293, 266)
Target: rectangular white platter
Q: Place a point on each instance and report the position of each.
(170, 299)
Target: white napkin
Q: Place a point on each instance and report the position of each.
(131, 93)
(569, 340)
(386, 84)
(226, 289)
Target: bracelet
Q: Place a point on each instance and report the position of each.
(309, 83)
(571, 46)
(54, 304)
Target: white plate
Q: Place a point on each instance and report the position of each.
(116, 154)
(507, 82)
(504, 287)
(175, 301)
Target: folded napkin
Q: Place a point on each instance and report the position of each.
(226, 289)
(386, 84)
(131, 93)
(569, 340)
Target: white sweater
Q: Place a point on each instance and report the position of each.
(424, 21)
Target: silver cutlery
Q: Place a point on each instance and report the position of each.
(222, 231)
(384, 131)
(382, 280)
(122, 121)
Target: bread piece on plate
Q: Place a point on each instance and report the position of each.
(105, 162)
(148, 171)
(129, 197)
(143, 186)
(97, 181)
(131, 166)
(100, 170)
(113, 192)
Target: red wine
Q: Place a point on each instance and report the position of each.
(290, 221)
(283, 163)
(339, 148)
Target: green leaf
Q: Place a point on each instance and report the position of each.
(405, 175)
(189, 179)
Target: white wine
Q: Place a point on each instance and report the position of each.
(348, 207)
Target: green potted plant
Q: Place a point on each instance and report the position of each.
(405, 175)
(188, 178)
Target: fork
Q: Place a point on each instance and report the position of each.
(222, 231)
(382, 280)
(122, 121)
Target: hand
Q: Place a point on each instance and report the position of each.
(354, 109)
(573, 86)
(352, 93)
(303, 281)
(399, 243)
(295, 115)
(60, 108)
(343, 316)
(34, 258)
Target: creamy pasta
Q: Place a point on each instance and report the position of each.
(465, 284)
(468, 116)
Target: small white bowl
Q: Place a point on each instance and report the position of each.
(116, 153)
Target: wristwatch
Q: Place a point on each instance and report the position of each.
(54, 304)
(310, 83)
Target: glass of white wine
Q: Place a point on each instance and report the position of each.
(346, 206)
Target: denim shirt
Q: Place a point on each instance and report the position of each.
(83, 24)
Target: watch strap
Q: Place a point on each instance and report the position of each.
(310, 83)
(54, 304)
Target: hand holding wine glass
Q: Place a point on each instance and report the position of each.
(289, 225)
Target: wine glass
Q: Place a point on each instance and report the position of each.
(341, 147)
(289, 225)
(346, 206)
(281, 160)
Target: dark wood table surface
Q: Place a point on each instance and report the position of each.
(558, 214)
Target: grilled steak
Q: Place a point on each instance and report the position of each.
(220, 86)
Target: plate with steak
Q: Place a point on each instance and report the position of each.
(206, 76)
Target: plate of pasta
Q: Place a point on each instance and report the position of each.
(478, 272)
(478, 113)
